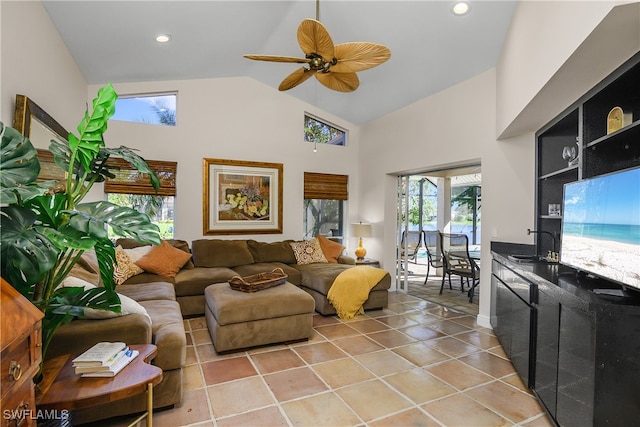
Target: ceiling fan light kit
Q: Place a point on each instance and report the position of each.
(334, 66)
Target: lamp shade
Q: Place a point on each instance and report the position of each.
(361, 230)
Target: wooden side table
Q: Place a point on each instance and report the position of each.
(63, 389)
(368, 261)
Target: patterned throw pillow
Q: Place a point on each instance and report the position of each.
(308, 251)
(124, 267)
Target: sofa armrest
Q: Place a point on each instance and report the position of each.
(345, 259)
(81, 334)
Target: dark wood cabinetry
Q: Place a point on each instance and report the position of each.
(21, 357)
(583, 127)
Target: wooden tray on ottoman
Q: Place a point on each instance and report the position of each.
(258, 282)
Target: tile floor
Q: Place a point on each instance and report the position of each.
(416, 363)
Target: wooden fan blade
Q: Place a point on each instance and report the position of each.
(277, 58)
(295, 78)
(313, 37)
(358, 56)
(342, 82)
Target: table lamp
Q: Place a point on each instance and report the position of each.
(361, 230)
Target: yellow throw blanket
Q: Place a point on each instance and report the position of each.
(350, 290)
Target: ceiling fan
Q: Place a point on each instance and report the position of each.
(334, 66)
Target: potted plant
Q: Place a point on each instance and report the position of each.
(45, 227)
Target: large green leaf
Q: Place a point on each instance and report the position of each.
(19, 163)
(106, 254)
(27, 255)
(90, 130)
(15, 195)
(49, 209)
(93, 219)
(138, 162)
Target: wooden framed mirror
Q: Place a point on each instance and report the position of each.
(37, 125)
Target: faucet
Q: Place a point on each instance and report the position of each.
(553, 255)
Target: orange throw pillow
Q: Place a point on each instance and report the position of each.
(331, 250)
(164, 260)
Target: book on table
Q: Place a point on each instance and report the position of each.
(100, 354)
(82, 368)
(119, 364)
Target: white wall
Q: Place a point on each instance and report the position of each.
(237, 119)
(555, 52)
(36, 63)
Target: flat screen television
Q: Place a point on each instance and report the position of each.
(601, 227)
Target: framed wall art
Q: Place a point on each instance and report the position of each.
(242, 197)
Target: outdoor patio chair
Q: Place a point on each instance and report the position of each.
(413, 241)
(455, 248)
(434, 253)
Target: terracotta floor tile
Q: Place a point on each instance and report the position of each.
(359, 398)
(422, 333)
(339, 330)
(358, 344)
(189, 338)
(398, 321)
(468, 321)
(198, 323)
(206, 352)
(515, 381)
(342, 372)
(192, 377)
(499, 351)
(461, 411)
(237, 397)
(448, 327)
(400, 308)
(191, 356)
(294, 383)
(277, 360)
(419, 386)
(446, 312)
(265, 417)
(452, 346)
(376, 314)
(319, 320)
(220, 371)
(540, 421)
(324, 409)
(193, 408)
(319, 352)
(458, 374)
(368, 325)
(479, 339)
(507, 401)
(421, 354)
(391, 338)
(384, 362)
(201, 336)
(489, 363)
(423, 317)
(412, 417)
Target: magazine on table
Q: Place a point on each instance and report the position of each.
(101, 354)
(128, 356)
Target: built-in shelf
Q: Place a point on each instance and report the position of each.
(559, 172)
(629, 131)
(551, 216)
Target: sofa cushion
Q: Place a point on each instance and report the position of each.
(320, 277)
(265, 267)
(272, 252)
(168, 333)
(164, 260)
(331, 250)
(150, 277)
(194, 281)
(179, 244)
(148, 291)
(220, 253)
(308, 252)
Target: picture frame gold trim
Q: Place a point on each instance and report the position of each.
(241, 197)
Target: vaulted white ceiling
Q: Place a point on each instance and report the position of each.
(431, 49)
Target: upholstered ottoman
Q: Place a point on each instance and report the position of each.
(238, 320)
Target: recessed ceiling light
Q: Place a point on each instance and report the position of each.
(163, 38)
(460, 8)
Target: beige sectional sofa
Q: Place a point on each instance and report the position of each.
(169, 299)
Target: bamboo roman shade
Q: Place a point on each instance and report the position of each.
(129, 181)
(326, 186)
(48, 168)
